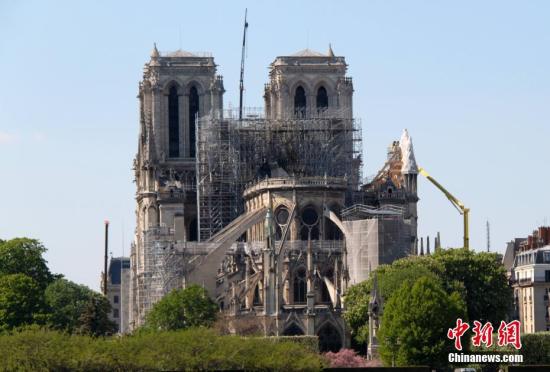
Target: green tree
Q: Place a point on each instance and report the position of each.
(66, 301)
(415, 322)
(20, 300)
(94, 320)
(389, 278)
(487, 293)
(480, 279)
(25, 256)
(183, 308)
(357, 313)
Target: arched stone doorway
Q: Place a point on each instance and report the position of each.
(329, 338)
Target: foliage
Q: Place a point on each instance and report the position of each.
(357, 312)
(183, 308)
(487, 293)
(20, 300)
(24, 256)
(536, 348)
(192, 349)
(480, 279)
(345, 358)
(389, 279)
(30, 293)
(94, 320)
(310, 342)
(66, 302)
(415, 323)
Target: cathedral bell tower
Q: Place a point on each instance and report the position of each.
(308, 84)
(177, 88)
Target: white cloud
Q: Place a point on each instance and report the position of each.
(7, 138)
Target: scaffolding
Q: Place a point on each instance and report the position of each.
(162, 266)
(234, 152)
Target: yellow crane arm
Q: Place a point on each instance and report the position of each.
(455, 202)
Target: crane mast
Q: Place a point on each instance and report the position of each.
(455, 202)
(241, 82)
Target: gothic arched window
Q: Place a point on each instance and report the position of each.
(173, 124)
(193, 111)
(300, 286)
(322, 99)
(300, 102)
(257, 300)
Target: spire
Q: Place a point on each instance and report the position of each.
(330, 51)
(407, 154)
(155, 53)
(428, 245)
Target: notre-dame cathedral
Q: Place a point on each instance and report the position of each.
(266, 209)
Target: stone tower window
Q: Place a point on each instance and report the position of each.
(322, 99)
(300, 102)
(193, 111)
(300, 286)
(173, 124)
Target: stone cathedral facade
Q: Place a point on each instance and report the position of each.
(268, 211)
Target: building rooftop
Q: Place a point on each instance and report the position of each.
(115, 267)
(533, 256)
(308, 53)
(179, 53)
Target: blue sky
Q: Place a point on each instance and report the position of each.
(470, 80)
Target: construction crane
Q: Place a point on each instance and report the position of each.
(241, 83)
(455, 202)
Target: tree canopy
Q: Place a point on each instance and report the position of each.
(25, 256)
(479, 278)
(94, 320)
(20, 300)
(415, 322)
(487, 293)
(30, 293)
(182, 308)
(66, 302)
